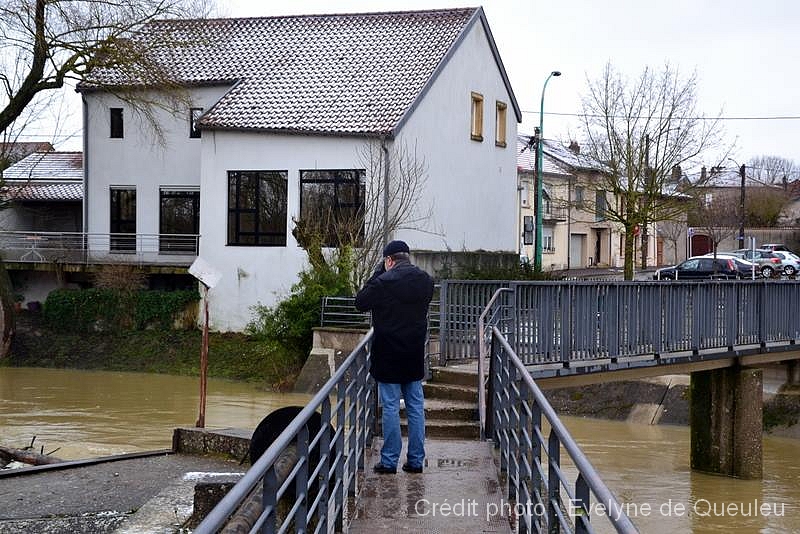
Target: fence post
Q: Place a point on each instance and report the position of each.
(443, 326)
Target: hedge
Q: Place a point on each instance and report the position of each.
(108, 309)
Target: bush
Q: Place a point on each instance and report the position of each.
(109, 309)
(290, 323)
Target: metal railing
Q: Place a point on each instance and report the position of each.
(572, 322)
(538, 485)
(89, 248)
(495, 315)
(325, 481)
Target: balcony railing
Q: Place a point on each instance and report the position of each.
(86, 248)
(554, 214)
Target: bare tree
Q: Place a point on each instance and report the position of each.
(388, 200)
(673, 232)
(772, 170)
(716, 217)
(641, 129)
(49, 43)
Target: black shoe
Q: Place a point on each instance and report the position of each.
(383, 470)
(408, 468)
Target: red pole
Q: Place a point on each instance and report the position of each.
(201, 420)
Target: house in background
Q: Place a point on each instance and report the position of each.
(41, 219)
(13, 152)
(281, 112)
(43, 192)
(575, 231)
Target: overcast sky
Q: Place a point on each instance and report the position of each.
(745, 54)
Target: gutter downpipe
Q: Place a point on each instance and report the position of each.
(385, 151)
(85, 200)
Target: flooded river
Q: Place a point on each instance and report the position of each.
(91, 413)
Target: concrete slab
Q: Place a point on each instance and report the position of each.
(458, 492)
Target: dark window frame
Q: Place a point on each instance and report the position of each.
(117, 123)
(122, 230)
(194, 115)
(169, 240)
(340, 178)
(236, 236)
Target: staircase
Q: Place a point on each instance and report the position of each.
(451, 404)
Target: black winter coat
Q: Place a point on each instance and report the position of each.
(398, 299)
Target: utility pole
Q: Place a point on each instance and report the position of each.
(741, 207)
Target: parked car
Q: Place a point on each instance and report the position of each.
(768, 262)
(746, 268)
(773, 246)
(702, 267)
(789, 261)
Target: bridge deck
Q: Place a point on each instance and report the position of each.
(459, 491)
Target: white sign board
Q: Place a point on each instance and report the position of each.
(204, 272)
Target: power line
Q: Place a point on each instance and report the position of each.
(597, 116)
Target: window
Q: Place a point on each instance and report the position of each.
(332, 203)
(547, 240)
(257, 208)
(179, 221)
(117, 128)
(477, 117)
(578, 195)
(600, 206)
(525, 194)
(500, 124)
(194, 116)
(123, 220)
(527, 230)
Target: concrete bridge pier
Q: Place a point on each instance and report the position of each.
(725, 414)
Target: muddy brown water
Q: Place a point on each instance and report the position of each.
(96, 413)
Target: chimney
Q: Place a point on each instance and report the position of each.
(676, 173)
(575, 147)
(703, 175)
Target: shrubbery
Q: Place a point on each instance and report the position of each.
(289, 324)
(110, 309)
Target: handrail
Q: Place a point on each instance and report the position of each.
(483, 354)
(263, 468)
(587, 473)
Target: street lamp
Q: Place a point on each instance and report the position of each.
(537, 258)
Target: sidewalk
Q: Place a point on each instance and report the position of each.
(459, 491)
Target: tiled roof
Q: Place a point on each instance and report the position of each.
(340, 74)
(47, 166)
(45, 176)
(558, 159)
(63, 191)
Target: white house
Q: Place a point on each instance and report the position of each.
(280, 111)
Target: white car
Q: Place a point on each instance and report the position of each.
(789, 262)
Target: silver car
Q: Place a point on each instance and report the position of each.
(789, 261)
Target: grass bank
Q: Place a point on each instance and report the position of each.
(230, 355)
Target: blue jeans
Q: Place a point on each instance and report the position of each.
(415, 413)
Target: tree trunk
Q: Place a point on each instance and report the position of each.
(629, 253)
(27, 457)
(645, 239)
(7, 317)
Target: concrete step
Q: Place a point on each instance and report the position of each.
(445, 391)
(453, 410)
(440, 428)
(457, 377)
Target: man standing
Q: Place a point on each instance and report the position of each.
(398, 294)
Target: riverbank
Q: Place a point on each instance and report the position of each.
(231, 355)
(665, 400)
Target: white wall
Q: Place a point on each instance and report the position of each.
(473, 184)
(138, 159)
(258, 274)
